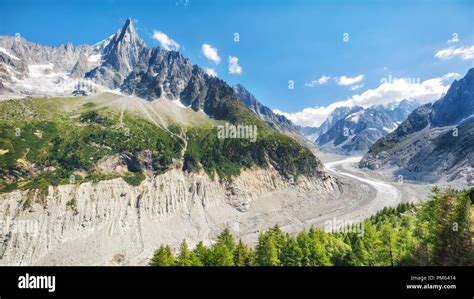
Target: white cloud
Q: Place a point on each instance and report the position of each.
(344, 81)
(465, 53)
(288, 115)
(211, 72)
(311, 116)
(355, 87)
(165, 41)
(210, 53)
(321, 81)
(387, 92)
(234, 67)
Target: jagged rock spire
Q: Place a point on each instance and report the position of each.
(120, 56)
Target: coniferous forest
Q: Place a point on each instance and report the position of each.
(438, 232)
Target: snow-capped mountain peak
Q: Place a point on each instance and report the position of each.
(360, 127)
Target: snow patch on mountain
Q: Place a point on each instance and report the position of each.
(3, 50)
(354, 117)
(95, 58)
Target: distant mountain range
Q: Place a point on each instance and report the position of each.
(352, 130)
(435, 142)
(312, 133)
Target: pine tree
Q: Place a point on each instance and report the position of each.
(291, 254)
(340, 252)
(304, 243)
(443, 249)
(186, 257)
(279, 237)
(203, 254)
(421, 253)
(163, 256)
(222, 255)
(223, 250)
(405, 242)
(371, 243)
(266, 253)
(360, 256)
(227, 239)
(388, 245)
(318, 254)
(451, 228)
(462, 251)
(242, 255)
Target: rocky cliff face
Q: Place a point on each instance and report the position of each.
(63, 57)
(120, 55)
(112, 222)
(80, 68)
(160, 74)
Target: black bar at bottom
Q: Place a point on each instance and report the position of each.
(224, 282)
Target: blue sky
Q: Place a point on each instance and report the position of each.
(280, 41)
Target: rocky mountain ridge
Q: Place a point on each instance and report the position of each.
(123, 63)
(353, 130)
(435, 142)
(276, 121)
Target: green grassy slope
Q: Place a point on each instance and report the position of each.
(47, 141)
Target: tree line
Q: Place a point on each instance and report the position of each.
(438, 232)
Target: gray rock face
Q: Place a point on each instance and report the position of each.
(209, 94)
(415, 122)
(63, 57)
(80, 68)
(436, 141)
(458, 103)
(11, 67)
(359, 128)
(195, 92)
(276, 121)
(151, 74)
(121, 54)
(160, 73)
(89, 224)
